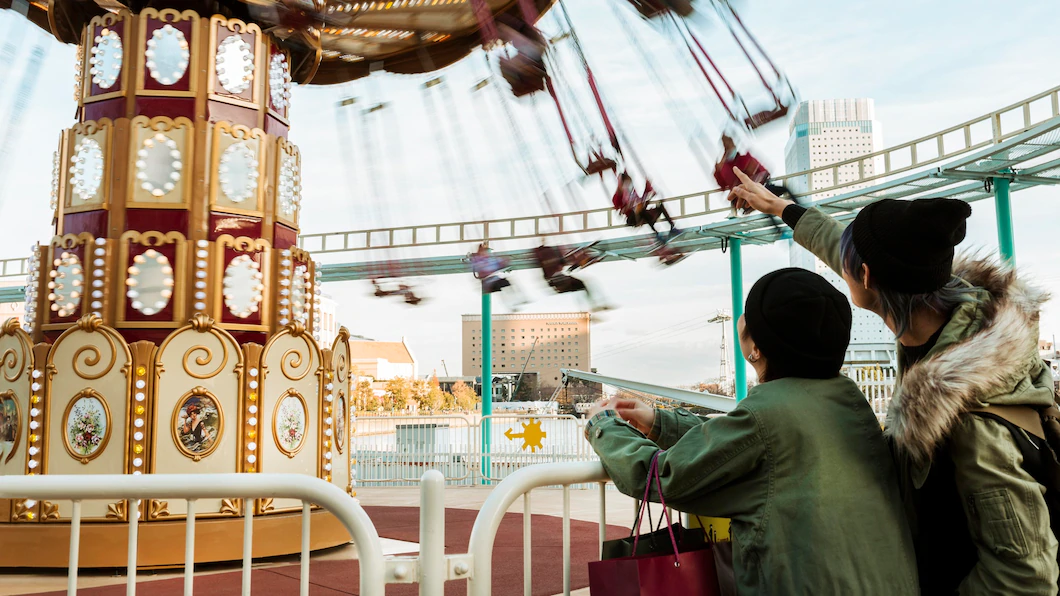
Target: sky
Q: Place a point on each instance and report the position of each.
(450, 156)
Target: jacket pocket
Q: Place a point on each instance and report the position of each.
(999, 527)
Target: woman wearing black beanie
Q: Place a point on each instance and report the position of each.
(970, 383)
(800, 466)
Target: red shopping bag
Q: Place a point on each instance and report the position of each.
(665, 572)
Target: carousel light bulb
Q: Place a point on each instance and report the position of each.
(139, 396)
(140, 384)
(200, 306)
(33, 451)
(251, 459)
(34, 412)
(138, 462)
(33, 425)
(200, 284)
(252, 446)
(138, 423)
(32, 464)
(252, 421)
(138, 436)
(253, 384)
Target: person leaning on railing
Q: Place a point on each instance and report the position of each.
(800, 466)
(967, 334)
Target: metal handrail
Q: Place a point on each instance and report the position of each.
(209, 486)
(520, 483)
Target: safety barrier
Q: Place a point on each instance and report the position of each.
(398, 450)
(521, 483)
(208, 486)
(877, 384)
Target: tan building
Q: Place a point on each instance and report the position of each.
(544, 343)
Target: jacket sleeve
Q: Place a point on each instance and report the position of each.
(820, 234)
(1006, 511)
(711, 456)
(671, 425)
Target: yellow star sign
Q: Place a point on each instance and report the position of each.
(532, 435)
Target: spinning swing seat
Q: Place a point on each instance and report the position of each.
(599, 163)
(525, 75)
(764, 117)
(654, 8)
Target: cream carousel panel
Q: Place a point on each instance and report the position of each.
(88, 419)
(289, 420)
(197, 412)
(20, 406)
(338, 386)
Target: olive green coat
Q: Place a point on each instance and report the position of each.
(987, 354)
(803, 471)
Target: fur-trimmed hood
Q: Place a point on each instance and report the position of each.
(992, 349)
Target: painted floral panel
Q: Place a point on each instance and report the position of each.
(290, 423)
(86, 426)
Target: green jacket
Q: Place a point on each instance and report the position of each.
(979, 519)
(801, 468)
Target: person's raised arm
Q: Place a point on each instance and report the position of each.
(813, 228)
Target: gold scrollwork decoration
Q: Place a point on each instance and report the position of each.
(91, 127)
(49, 511)
(243, 243)
(162, 123)
(236, 25)
(158, 509)
(265, 505)
(201, 323)
(69, 241)
(152, 238)
(239, 131)
(89, 323)
(93, 359)
(170, 15)
(13, 365)
(22, 512)
(341, 372)
(229, 507)
(292, 361)
(206, 358)
(116, 510)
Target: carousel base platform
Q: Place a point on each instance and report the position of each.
(160, 544)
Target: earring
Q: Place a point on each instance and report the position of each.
(752, 358)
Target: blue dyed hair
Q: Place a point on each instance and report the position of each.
(899, 307)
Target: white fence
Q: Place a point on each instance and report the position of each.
(398, 450)
(431, 568)
(208, 486)
(878, 386)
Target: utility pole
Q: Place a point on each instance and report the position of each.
(723, 379)
(445, 368)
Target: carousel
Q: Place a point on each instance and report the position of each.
(172, 320)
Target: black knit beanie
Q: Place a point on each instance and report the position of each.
(908, 245)
(800, 322)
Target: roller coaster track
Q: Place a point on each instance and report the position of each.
(1019, 142)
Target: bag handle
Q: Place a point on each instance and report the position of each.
(653, 472)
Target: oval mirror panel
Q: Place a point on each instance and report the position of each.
(150, 282)
(242, 286)
(167, 55)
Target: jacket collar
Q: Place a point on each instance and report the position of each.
(988, 345)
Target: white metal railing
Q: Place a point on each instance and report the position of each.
(209, 486)
(397, 450)
(521, 483)
(877, 384)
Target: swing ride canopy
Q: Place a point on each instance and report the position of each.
(331, 41)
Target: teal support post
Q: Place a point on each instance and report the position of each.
(487, 385)
(736, 270)
(1005, 238)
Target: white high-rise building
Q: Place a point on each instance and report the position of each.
(823, 132)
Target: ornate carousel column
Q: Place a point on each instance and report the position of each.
(174, 316)
(176, 193)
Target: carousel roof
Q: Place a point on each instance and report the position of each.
(334, 40)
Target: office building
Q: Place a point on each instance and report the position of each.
(823, 132)
(541, 343)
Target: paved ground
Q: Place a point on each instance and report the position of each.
(584, 506)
